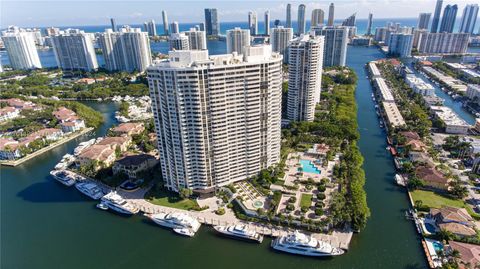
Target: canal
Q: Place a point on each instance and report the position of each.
(46, 225)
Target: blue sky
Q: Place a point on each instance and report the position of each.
(74, 12)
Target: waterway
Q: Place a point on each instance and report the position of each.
(46, 225)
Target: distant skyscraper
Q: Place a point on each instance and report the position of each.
(212, 24)
(126, 50)
(350, 21)
(267, 22)
(197, 40)
(237, 40)
(114, 24)
(151, 28)
(253, 22)
(318, 17)
(204, 142)
(276, 23)
(280, 39)
(400, 45)
(469, 18)
(178, 41)
(448, 19)
(304, 77)
(174, 28)
(53, 31)
(301, 20)
(74, 50)
(443, 42)
(21, 49)
(424, 20)
(331, 14)
(289, 16)
(335, 49)
(380, 34)
(369, 24)
(165, 23)
(436, 16)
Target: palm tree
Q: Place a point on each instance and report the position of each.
(445, 235)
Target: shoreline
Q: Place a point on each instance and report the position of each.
(14, 163)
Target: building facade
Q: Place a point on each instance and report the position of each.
(318, 17)
(178, 41)
(448, 19)
(443, 42)
(267, 23)
(335, 49)
(305, 57)
(469, 18)
(436, 16)
(217, 118)
(400, 45)
(197, 40)
(331, 14)
(301, 19)
(74, 50)
(212, 24)
(280, 39)
(288, 21)
(165, 23)
(424, 20)
(237, 40)
(253, 22)
(21, 49)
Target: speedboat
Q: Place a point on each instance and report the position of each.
(90, 189)
(240, 232)
(184, 231)
(302, 244)
(117, 203)
(175, 220)
(63, 177)
(83, 146)
(102, 206)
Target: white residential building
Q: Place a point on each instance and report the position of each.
(443, 42)
(126, 50)
(21, 49)
(400, 44)
(237, 40)
(217, 118)
(197, 40)
(335, 49)
(150, 28)
(419, 85)
(318, 17)
(74, 50)
(304, 77)
(253, 22)
(279, 40)
(473, 92)
(453, 123)
(178, 41)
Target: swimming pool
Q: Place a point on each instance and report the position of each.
(308, 167)
(430, 228)
(437, 246)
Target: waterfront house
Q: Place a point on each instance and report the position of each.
(8, 113)
(9, 149)
(50, 134)
(122, 142)
(133, 164)
(469, 253)
(63, 114)
(413, 140)
(100, 154)
(72, 126)
(432, 178)
(421, 157)
(20, 104)
(129, 128)
(453, 219)
(69, 121)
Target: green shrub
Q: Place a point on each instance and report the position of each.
(292, 199)
(321, 196)
(318, 211)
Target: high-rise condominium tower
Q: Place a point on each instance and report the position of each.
(469, 18)
(237, 40)
(350, 21)
(74, 50)
(301, 20)
(280, 39)
(114, 24)
(178, 41)
(21, 49)
(289, 16)
(165, 23)
(197, 40)
(305, 55)
(212, 24)
(151, 28)
(318, 17)
(448, 19)
(253, 22)
(126, 50)
(267, 22)
(331, 14)
(424, 20)
(369, 24)
(436, 16)
(217, 118)
(335, 49)
(400, 44)
(174, 28)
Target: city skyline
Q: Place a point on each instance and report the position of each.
(55, 13)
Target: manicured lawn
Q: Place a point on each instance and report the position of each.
(170, 199)
(306, 200)
(431, 199)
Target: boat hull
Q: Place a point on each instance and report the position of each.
(238, 237)
(279, 247)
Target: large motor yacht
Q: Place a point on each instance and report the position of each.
(63, 177)
(90, 189)
(240, 232)
(175, 220)
(117, 203)
(302, 244)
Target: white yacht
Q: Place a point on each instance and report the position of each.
(239, 231)
(175, 220)
(63, 177)
(67, 160)
(184, 231)
(90, 189)
(82, 146)
(117, 203)
(302, 244)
